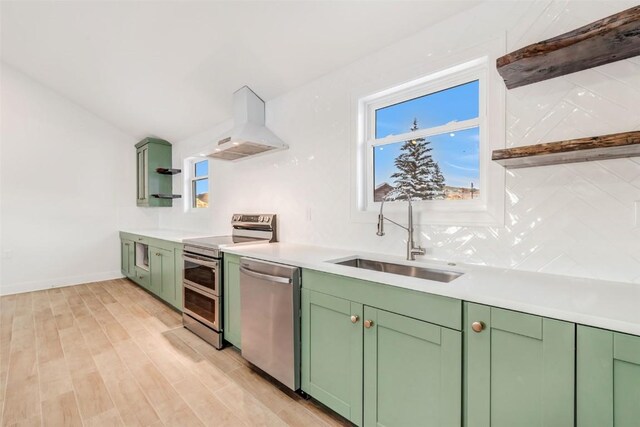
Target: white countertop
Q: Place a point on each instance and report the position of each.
(171, 235)
(603, 304)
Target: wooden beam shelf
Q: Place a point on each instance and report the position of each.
(608, 40)
(602, 147)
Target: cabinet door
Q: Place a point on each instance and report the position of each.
(177, 268)
(608, 383)
(126, 257)
(142, 156)
(332, 353)
(412, 372)
(231, 300)
(519, 369)
(168, 289)
(161, 270)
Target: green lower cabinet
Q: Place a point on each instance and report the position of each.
(163, 274)
(608, 379)
(231, 300)
(332, 352)
(519, 369)
(127, 258)
(178, 266)
(157, 265)
(412, 372)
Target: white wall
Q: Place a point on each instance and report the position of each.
(575, 219)
(67, 184)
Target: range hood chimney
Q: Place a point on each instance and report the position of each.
(249, 135)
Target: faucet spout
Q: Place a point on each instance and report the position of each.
(412, 250)
(380, 231)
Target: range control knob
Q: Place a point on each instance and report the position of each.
(260, 218)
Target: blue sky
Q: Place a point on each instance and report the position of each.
(456, 153)
(202, 169)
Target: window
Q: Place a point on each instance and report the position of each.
(200, 184)
(429, 139)
(427, 147)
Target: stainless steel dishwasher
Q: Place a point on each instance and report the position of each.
(270, 317)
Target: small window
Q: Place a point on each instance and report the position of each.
(200, 184)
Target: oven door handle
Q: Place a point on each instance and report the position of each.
(201, 261)
(267, 277)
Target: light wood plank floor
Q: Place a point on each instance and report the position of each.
(108, 353)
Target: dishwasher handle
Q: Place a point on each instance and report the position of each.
(268, 277)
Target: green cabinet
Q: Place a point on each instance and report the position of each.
(412, 372)
(162, 274)
(608, 379)
(332, 358)
(519, 369)
(376, 367)
(231, 325)
(127, 258)
(151, 154)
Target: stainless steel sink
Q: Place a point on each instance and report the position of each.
(403, 270)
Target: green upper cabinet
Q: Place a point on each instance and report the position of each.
(519, 369)
(153, 153)
(231, 301)
(412, 372)
(608, 379)
(332, 352)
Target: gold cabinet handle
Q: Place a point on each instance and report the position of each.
(368, 323)
(158, 254)
(355, 318)
(477, 326)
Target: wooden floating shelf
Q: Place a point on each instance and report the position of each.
(603, 147)
(607, 40)
(166, 171)
(166, 196)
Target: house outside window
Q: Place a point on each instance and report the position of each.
(200, 184)
(430, 139)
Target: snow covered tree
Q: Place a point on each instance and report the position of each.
(418, 174)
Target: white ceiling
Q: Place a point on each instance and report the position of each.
(169, 68)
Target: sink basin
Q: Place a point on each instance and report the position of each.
(403, 270)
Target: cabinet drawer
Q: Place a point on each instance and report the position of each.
(141, 239)
(142, 277)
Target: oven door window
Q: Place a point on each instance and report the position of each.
(202, 307)
(202, 275)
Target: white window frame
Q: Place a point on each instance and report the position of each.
(190, 165)
(488, 209)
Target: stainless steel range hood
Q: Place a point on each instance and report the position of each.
(249, 135)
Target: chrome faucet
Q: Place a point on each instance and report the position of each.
(412, 250)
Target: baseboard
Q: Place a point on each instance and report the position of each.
(60, 282)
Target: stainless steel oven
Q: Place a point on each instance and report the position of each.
(202, 306)
(201, 290)
(202, 273)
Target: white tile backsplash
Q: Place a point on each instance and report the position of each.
(577, 219)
